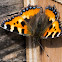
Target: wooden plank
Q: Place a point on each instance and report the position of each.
(45, 3)
(32, 52)
(59, 1)
(8, 6)
(11, 43)
(9, 2)
(53, 47)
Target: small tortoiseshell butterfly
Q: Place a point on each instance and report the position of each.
(29, 22)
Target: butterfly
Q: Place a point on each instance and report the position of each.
(32, 21)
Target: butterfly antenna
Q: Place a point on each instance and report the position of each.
(13, 14)
(42, 48)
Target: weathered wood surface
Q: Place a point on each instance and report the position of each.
(53, 47)
(8, 43)
(45, 3)
(9, 6)
(32, 48)
(12, 46)
(59, 1)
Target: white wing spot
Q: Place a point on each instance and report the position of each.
(5, 27)
(58, 35)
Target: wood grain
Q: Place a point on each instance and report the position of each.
(45, 3)
(32, 49)
(11, 43)
(53, 47)
(59, 1)
(7, 40)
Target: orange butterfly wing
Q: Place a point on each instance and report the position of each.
(17, 23)
(53, 30)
